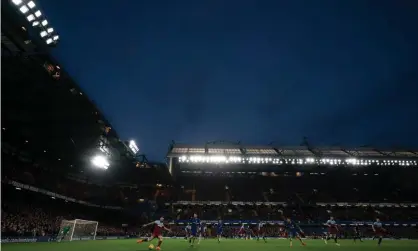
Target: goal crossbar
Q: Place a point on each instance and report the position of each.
(78, 229)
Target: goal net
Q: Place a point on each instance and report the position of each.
(77, 229)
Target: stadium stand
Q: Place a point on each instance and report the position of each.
(50, 132)
(277, 174)
(242, 183)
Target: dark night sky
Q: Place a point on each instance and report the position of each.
(339, 72)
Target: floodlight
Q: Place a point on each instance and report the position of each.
(38, 13)
(17, 2)
(100, 162)
(49, 40)
(44, 23)
(36, 23)
(43, 33)
(24, 9)
(31, 4)
(50, 30)
(134, 148)
(56, 37)
(30, 18)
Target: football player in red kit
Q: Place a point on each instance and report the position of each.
(332, 230)
(259, 231)
(379, 231)
(156, 233)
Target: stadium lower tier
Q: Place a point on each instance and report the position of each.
(28, 213)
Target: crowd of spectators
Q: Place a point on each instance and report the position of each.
(26, 213)
(390, 184)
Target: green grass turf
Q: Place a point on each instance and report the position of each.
(209, 245)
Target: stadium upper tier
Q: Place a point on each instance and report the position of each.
(47, 119)
(237, 154)
(300, 151)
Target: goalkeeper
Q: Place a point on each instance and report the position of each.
(63, 233)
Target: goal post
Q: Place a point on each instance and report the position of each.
(77, 230)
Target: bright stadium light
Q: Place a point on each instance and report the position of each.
(100, 162)
(17, 2)
(24, 9)
(217, 159)
(34, 15)
(134, 148)
(31, 4)
(30, 18)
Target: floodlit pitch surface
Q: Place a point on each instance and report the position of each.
(210, 245)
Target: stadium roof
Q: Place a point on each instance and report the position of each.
(45, 114)
(178, 150)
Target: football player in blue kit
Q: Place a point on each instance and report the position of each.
(293, 231)
(195, 224)
(219, 230)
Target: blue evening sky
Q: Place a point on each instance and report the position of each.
(337, 71)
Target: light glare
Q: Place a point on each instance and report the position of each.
(43, 33)
(134, 148)
(24, 9)
(49, 40)
(38, 13)
(44, 23)
(100, 162)
(17, 2)
(56, 37)
(36, 23)
(196, 159)
(31, 17)
(50, 30)
(31, 4)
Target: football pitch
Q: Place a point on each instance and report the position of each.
(210, 245)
